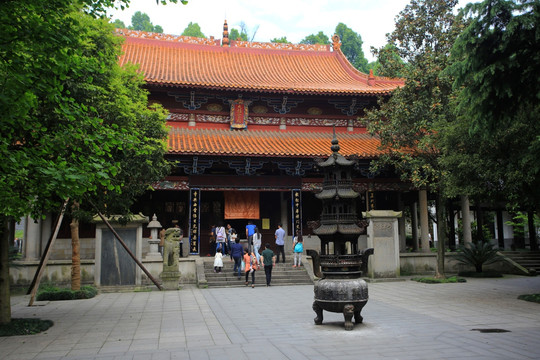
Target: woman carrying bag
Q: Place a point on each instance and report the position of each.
(251, 265)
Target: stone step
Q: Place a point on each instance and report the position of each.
(282, 274)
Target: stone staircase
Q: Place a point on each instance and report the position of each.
(530, 260)
(282, 274)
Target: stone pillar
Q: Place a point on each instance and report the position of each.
(401, 228)
(32, 239)
(466, 219)
(383, 237)
(414, 225)
(424, 225)
(284, 219)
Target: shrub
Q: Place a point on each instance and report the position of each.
(478, 254)
(52, 293)
(24, 327)
(431, 280)
(530, 297)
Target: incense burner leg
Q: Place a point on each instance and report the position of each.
(348, 312)
(319, 311)
(357, 317)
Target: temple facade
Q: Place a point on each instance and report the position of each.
(247, 120)
(248, 123)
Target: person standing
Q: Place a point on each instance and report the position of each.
(257, 241)
(212, 241)
(230, 240)
(298, 249)
(236, 251)
(250, 230)
(280, 242)
(251, 265)
(221, 237)
(218, 261)
(268, 261)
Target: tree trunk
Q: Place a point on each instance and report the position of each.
(451, 227)
(533, 242)
(75, 251)
(424, 220)
(441, 234)
(466, 216)
(5, 301)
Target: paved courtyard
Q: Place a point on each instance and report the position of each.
(402, 320)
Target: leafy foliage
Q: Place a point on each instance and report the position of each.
(24, 327)
(430, 280)
(193, 29)
(530, 297)
(69, 114)
(319, 38)
(408, 123)
(497, 76)
(235, 35)
(282, 40)
(351, 46)
(477, 254)
(53, 293)
(119, 24)
(141, 21)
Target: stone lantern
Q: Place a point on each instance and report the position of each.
(341, 289)
(154, 239)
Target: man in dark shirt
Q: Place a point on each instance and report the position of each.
(236, 252)
(269, 260)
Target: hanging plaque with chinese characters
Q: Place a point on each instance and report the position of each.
(296, 197)
(194, 220)
(239, 113)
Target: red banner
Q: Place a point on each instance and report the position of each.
(241, 205)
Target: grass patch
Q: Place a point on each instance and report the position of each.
(530, 297)
(24, 327)
(483, 274)
(432, 280)
(52, 293)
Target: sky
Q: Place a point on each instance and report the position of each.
(295, 19)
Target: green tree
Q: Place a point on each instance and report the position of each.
(53, 146)
(408, 123)
(193, 29)
(141, 21)
(497, 71)
(351, 46)
(235, 35)
(388, 62)
(282, 40)
(119, 24)
(116, 95)
(319, 38)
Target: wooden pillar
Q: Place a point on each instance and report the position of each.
(414, 225)
(500, 229)
(533, 241)
(424, 225)
(466, 216)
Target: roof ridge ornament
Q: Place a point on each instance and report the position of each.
(225, 40)
(336, 43)
(335, 143)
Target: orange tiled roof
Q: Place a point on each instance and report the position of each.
(188, 141)
(170, 60)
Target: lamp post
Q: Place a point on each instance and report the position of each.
(154, 240)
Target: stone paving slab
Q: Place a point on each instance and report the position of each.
(402, 320)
